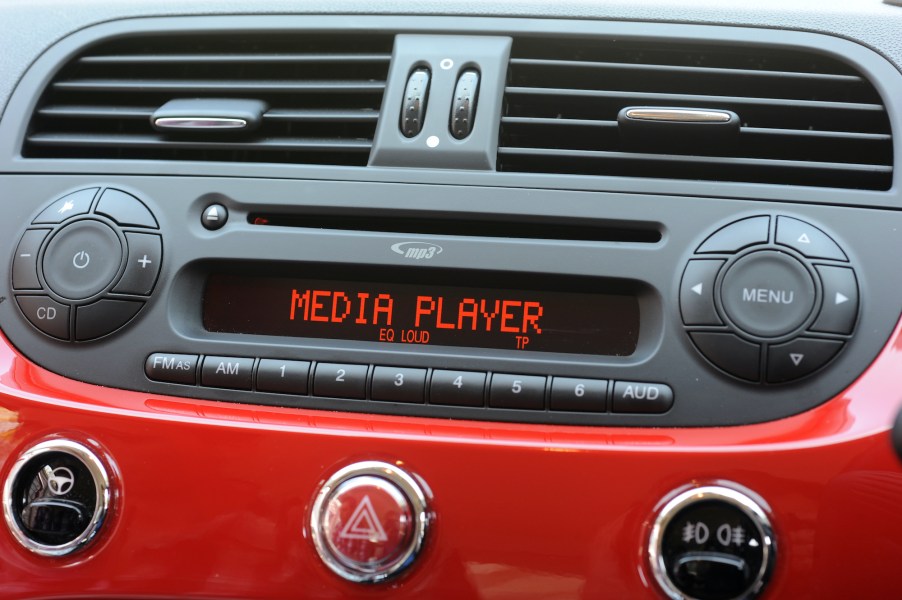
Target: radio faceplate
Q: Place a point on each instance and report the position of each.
(624, 253)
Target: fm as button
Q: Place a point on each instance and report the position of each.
(171, 368)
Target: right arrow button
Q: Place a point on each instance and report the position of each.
(840, 306)
(798, 358)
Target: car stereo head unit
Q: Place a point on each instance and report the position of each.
(551, 307)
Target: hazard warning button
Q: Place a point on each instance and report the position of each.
(369, 521)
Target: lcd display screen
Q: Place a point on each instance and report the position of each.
(423, 314)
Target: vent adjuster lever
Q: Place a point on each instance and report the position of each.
(209, 114)
(676, 128)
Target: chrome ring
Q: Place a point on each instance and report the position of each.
(101, 500)
(728, 495)
(418, 505)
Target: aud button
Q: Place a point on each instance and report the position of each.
(637, 397)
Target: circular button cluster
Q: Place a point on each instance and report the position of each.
(369, 521)
(712, 543)
(56, 497)
(87, 263)
(769, 299)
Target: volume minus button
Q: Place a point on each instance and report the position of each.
(413, 108)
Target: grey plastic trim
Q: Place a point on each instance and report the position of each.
(882, 74)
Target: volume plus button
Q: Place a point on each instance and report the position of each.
(413, 109)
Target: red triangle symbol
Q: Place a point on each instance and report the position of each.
(364, 524)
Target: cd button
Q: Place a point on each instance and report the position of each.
(457, 388)
(399, 385)
(283, 376)
(125, 209)
(47, 315)
(799, 358)
(840, 307)
(585, 395)
(697, 292)
(103, 317)
(340, 381)
(145, 252)
(636, 397)
(227, 372)
(768, 294)
(732, 354)
(25, 263)
(738, 235)
(517, 391)
(76, 203)
(171, 368)
(807, 239)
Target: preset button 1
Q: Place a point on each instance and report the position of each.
(283, 376)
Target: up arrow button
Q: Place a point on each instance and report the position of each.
(807, 239)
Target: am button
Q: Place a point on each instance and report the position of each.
(768, 294)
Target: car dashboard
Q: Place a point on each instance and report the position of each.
(437, 300)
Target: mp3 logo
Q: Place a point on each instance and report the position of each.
(416, 250)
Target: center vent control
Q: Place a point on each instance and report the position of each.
(85, 267)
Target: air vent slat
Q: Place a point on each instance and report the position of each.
(683, 70)
(154, 141)
(691, 99)
(178, 59)
(322, 95)
(307, 116)
(803, 118)
(325, 87)
(96, 112)
(672, 158)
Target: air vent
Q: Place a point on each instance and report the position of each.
(323, 95)
(805, 119)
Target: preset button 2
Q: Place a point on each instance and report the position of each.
(340, 381)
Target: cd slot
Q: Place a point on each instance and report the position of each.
(484, 226)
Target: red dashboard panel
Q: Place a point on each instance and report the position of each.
(213, 499)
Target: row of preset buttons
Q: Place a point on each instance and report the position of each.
(410, 385)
